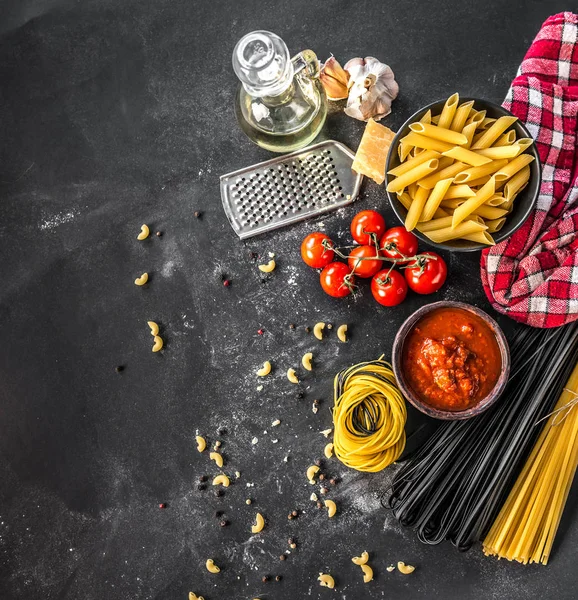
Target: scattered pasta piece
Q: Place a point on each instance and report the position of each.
(390, 568)
(326, 432)
(318, 330)
(306, 361)
(221, 480)
(142, 279)
(326, 580)
(269, 267)
(367, 573)
(193, 596)
(158, 343)
(313, 497)
(361, 560)
(201, 443)
(311, 472)
(259, 523)
(217, 458)
(276, 423)
(405, 569)
(154, 330)
(331, 508)
(144, 232)
(265, 369)
(328, 450)
(211, 566)
(291, 376)
(342, 333)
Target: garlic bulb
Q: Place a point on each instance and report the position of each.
(334, 79)
(372, 88)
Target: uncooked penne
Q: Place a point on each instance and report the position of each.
(436, 132)
(494, 132)
(462, 113)
(422, 141)
(466, 156)
(469, 131)
(505, 139)
(489, 212)
(459, 191)
(495, 224)
(474, 173)
(500, 152)
(453, 233)
(408, 165)
(471, 204)
(485, 124)
(481, 237)
(434, 199)
(479, 182)
(514, 166)
(495, 200)
(426, 118)
(412, 189)
(476, 116)
(403, 150)
(452, 203)
(515, 184)
(415, 210)
(440, 223)
(416, 173)
(404, 199)
(449, 111)
(440, 212)
(429, 181)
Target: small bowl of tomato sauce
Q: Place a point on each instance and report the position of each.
(451, 360)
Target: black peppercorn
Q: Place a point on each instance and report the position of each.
(254, 256)
(282, 557)
(218, 514)
(291, 541)
(300, 395)
(201, 487)
(318, 462)
(222, 431)
(224, 523)
(265, 578)
(198, 214)
(319, 505)
(307, 329)
(219, 493)
(119, 369)
(291, 325)
(278, 578)
(333, 481)
(159, 233)
(203, 478)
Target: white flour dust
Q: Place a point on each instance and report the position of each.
(57, 219)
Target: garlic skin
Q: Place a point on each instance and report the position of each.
(372, 88)
(334, 79)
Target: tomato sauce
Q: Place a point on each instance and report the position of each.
(451, 359)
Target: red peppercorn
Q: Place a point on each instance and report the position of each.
(227, 283)
(260, 331)
(162, 505)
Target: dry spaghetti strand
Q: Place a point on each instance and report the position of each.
(369, 417)
(526, 526)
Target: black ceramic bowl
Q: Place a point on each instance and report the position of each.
(406, 389)
(524, 202)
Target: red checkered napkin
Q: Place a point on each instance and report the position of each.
(533, 275)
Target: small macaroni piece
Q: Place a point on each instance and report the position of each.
(154, 330)
(342, 333)
(265, 369)
(142, 279)
(326, 432)
(211, 566)
(405, 569)
(217, 458)
(326, 580)
(328, 450)
(291, 376)
(144, 232)
(367, 573)
(331, 508)
(221, 480)
(193, 596)
(269, 267)
(361, 560)
(201, 443)
(259, 523)
(311, 472)
(306, 361)
(318, 330)
(158, 343)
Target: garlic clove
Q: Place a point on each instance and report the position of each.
(334, 79)
(372, 88)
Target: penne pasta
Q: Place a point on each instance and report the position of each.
(494, 132)
(459, 191)
(408, 165)
(499, 152)
(524, 144)
(474, 173)
(453, 233)
(452, 203)
(435, 119)
(514, 166)
(412, 189)
(462, 113)
(415, 174)
(479, 182)
(495, 200)
(439, 133)
(449, 111)
(481, 237)
(489, 212)
(405, 200)
(403, 150)
(435, 198)
(426, 117)
(471, 204)
(434, 224)
(422, 141)
(516, 183)
(476, 116)
(417, 151)
(495, 224)
(440, 212)
(415, 210)
(487, 122)
(466, 156)
(429, 181)
(469, 131)
(505, 139)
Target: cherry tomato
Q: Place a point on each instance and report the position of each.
(364, 224)
(313, 251)
(398, 242)
(427, 274)
(367, 267)
(336, 280)
(389, 290)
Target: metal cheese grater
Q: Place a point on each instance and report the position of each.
(289, 188)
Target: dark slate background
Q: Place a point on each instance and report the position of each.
(115, 114)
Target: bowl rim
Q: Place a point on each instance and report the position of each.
(405, 388)
(499, 236)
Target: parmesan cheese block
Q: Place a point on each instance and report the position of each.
(372, 152)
